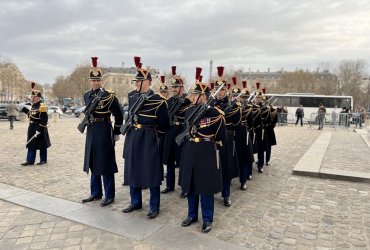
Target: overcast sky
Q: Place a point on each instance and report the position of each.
(47, 38)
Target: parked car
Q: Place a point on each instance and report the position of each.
(79, 111)
(53, 109)
(3, 114)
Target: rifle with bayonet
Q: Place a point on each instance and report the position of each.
(232, 104)
(192, 120)
(133, 111)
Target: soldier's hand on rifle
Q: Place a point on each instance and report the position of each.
(116, 138)
(37, 134)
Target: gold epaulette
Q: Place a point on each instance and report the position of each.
(219, 110)
(43, 108)
(110, 91)
(238, 103)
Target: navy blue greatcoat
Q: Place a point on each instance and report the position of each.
(141, 152)
(171, 149)
(229, 158)
(245, 151)
(99, 147)
(199, 159)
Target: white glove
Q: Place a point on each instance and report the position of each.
(116, 138)
(37, 134)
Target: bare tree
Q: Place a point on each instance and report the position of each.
(350, 74)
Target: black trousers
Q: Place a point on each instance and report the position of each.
(299, 118)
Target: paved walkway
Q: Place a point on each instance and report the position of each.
(337, 155)
(278, 211)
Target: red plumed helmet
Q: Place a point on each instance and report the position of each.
(244, 84)
(257, 85)
(212, 85)
(94, 61)
(173, 70)
(33, 85)
(228, 86)
(137, 61)
(220, 71)
(162, 79)
(197, 73)
(200, 78)
(264, 90)
(234, 80)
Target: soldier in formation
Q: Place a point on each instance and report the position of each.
(201, 174)
(148, 116)
(101, 137)
(177, 104)
(232, 115)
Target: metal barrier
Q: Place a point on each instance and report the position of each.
(333, 120)
(282, 119)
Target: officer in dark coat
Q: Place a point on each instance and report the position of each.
(37, 134)
(177, 104)
(258, 128)
(200, 168)
(243, 139)
(141, 149)
(265, 116)
(229, 157)
(269, 129)
(100, 155)
(163, 93)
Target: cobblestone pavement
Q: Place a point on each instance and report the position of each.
(23, 228)
(278, 210)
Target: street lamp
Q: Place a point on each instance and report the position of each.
(368, 94)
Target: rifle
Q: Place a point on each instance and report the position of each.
(90, 108)
(132, 112)
(249, 100)
(274, 101)
(231, 105)
(192, 120)
(176, 106)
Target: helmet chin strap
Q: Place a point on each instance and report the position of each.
(198, 99)
(141, 85)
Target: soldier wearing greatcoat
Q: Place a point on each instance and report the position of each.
(177, 104)
(101, 137)
(243, 138)
(141, 152)
(229, 158)
(200, 170)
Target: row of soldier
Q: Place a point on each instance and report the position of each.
(209, 134)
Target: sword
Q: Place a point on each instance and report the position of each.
(33, 137)
(247, 138)
(217, 157)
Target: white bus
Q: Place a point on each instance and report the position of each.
(310, 103)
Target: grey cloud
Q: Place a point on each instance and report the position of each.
(48, 38)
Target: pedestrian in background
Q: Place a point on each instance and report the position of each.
(299, 113)
(11, 112)
(321, 116)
